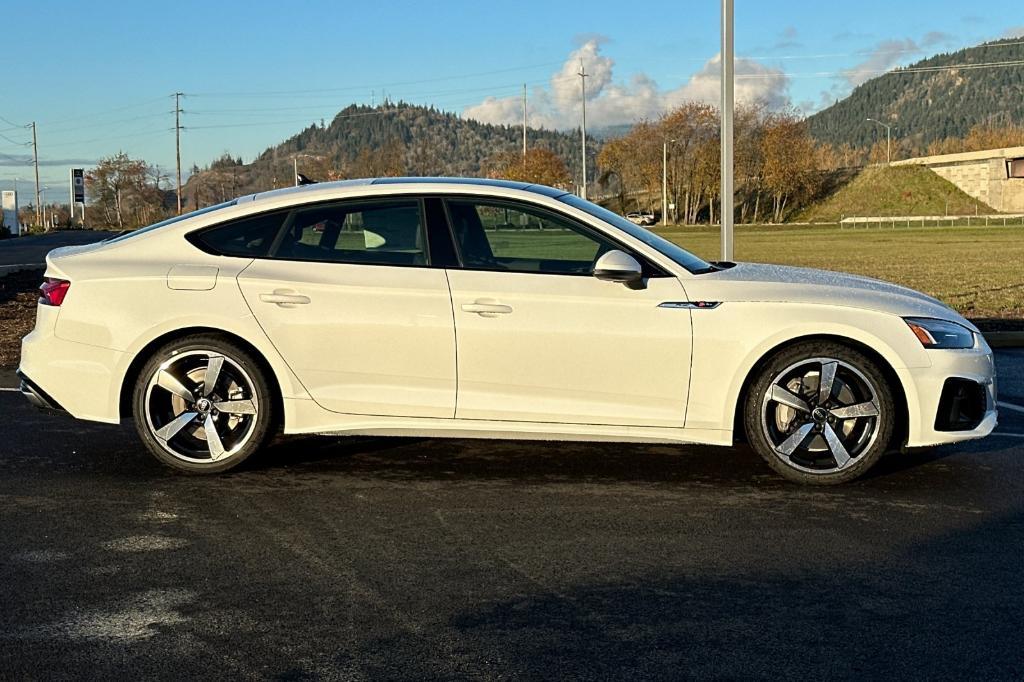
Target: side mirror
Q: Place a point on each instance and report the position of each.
(618, 266)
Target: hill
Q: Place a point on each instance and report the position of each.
(898, 191)
(937, 98)
(389, 139)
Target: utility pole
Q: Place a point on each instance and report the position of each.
(295, 169)
(35, 162)
(524, 124)
(177, 141)
(583, 128)
(728, 102)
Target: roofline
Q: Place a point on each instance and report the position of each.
(406, 182)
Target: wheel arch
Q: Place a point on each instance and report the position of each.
(895, 383)
(142, 356)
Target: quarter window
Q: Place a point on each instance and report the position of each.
(245, 238)
(500, 236)
(380, 233)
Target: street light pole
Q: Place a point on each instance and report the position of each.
(664, 182)
(728, 101)
(888, 140)
(583, 126)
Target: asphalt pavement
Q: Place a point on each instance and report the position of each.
(31, 250)
(363, 558)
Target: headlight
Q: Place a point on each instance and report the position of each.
(940, 333)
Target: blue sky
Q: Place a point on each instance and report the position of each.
(97, 76)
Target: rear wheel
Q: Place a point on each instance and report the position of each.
(202, 404)
(820, 413)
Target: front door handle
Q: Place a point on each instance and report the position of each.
(286, 298)
(487, 307)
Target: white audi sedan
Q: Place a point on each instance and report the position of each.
(488, 309)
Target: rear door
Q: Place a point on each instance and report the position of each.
(349, 297)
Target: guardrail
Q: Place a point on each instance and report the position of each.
(998, 219)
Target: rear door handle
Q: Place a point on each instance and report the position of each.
(487, 307)
(285, 298)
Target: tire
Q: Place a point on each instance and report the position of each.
(239, 406)
(814, 434)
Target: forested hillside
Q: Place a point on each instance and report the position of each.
(390, 139)
(932, 100)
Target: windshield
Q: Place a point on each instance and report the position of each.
(171, 221)
(678, 254)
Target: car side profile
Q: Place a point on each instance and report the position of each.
(490, 309)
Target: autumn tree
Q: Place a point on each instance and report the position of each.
(789, 161)
(120, 187)
(539, 166)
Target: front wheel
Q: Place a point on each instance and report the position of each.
(820, 413)
(202, 404)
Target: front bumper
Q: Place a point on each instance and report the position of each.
(929, 397)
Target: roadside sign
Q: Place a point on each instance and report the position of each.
(9, 199)
(78, 185)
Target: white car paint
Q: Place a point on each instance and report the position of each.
(422, 351)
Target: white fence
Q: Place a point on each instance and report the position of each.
(998, 219)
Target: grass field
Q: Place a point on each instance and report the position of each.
(977, 270)
(893, 191)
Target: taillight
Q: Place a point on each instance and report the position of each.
(53, 291)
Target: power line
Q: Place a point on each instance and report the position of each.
(367, 87)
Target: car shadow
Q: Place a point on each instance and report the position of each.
(539, 462)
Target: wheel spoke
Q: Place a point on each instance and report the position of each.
(213, 439)
(168, 382)
(868, 409)
(789, 446)
(827, 379)
(835, 444)
(171, 429)
(212, 373)
(788, 398)
(236, 407)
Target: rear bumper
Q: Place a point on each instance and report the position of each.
(930, 422)
(78, 378)
(37, 396)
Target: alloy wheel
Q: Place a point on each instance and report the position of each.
(200, 406)
(820, 415)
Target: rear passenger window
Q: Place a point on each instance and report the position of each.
(245, 238)
(380, 233)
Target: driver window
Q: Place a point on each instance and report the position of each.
(500, 236)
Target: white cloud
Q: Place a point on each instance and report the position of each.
(612, 102)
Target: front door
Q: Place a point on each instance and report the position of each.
(540, 339)
(349, 300)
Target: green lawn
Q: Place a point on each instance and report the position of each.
(977, 270)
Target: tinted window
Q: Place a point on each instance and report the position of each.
(500, 236)
(171, 221)
(664, 246)
(247, 238)
(380, 233)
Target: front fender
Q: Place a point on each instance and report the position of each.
(730, 341)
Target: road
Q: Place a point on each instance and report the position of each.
(414, 558)
(32, 250)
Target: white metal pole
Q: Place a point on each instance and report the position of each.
(583, 128)
(524, 122)
(664, 184)
(295, 170)
(728, 102)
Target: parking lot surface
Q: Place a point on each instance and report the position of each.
(414, 558)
